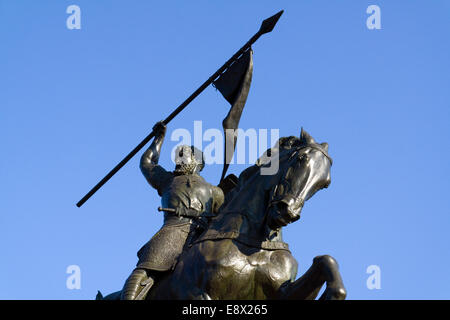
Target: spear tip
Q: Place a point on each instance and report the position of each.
(268, 24)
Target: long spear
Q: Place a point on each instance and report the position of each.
(266, 27)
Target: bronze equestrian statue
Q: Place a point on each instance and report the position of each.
(240, 254)
(225, 242)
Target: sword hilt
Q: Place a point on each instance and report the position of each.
(167, 209)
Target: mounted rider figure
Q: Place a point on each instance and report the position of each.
(187, 201)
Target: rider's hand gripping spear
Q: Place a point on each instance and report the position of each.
(230, 122)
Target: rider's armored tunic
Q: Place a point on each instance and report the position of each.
(192, 198)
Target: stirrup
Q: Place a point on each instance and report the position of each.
(148, 283)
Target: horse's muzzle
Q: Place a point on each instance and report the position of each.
(284, 211)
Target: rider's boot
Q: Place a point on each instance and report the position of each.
(136, 282)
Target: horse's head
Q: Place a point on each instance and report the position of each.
(263, 202)
(304, 170)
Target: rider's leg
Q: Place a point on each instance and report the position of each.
(138, 280)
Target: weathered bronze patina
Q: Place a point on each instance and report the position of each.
(225, 241)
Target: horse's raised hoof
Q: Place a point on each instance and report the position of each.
(333, 293)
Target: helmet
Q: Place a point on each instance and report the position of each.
(188, 160)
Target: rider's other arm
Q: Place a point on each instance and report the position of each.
(152, 171)
(218, 197)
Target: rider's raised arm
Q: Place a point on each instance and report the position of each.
(156, 175)
(151, 156)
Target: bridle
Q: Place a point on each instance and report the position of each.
(289, 199)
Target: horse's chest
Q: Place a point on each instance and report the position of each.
(257, 275)
(275, 266)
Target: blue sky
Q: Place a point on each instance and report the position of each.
(74, 102)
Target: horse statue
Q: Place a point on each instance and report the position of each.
(241, 254)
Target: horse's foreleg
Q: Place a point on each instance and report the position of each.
(335, 289)
(323, 270)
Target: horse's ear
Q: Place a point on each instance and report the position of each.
(325, 146)
(306, 138)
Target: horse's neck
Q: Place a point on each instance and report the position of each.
(245, 211)
(250, 197)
